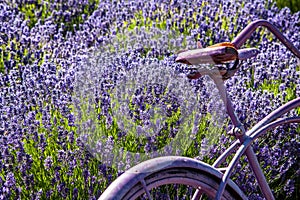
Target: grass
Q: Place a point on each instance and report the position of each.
(294, 5)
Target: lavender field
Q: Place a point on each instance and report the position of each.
(89, 88)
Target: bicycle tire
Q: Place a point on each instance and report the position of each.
(169, 170)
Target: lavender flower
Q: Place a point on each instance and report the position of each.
(48, 163)
(44, 52)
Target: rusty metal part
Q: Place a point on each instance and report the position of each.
(209, 55)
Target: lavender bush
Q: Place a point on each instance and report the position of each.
(47, 46)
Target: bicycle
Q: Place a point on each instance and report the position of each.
(211, 181)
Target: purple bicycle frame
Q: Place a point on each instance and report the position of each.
(245, 139)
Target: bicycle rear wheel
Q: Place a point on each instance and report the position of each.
(170, 177)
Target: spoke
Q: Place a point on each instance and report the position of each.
(198, 194)
(146, 190)
(168, 193)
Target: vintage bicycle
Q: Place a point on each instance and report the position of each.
(210, 181)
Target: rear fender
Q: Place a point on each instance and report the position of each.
(137, 173)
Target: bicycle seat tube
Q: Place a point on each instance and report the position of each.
(238, 130)
(240, 133)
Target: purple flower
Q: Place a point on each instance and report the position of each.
(48, 163)
(10, 180)
(75, 193)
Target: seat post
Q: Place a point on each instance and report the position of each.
(217, 78)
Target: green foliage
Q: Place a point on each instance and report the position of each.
(294, 5)
(6, 55)
(43, 177)
(60, 13)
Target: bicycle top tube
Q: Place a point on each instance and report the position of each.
(245, 34)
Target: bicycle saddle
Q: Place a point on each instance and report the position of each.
(220, 53)
(215, 54)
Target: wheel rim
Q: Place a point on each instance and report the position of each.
(183, 177)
